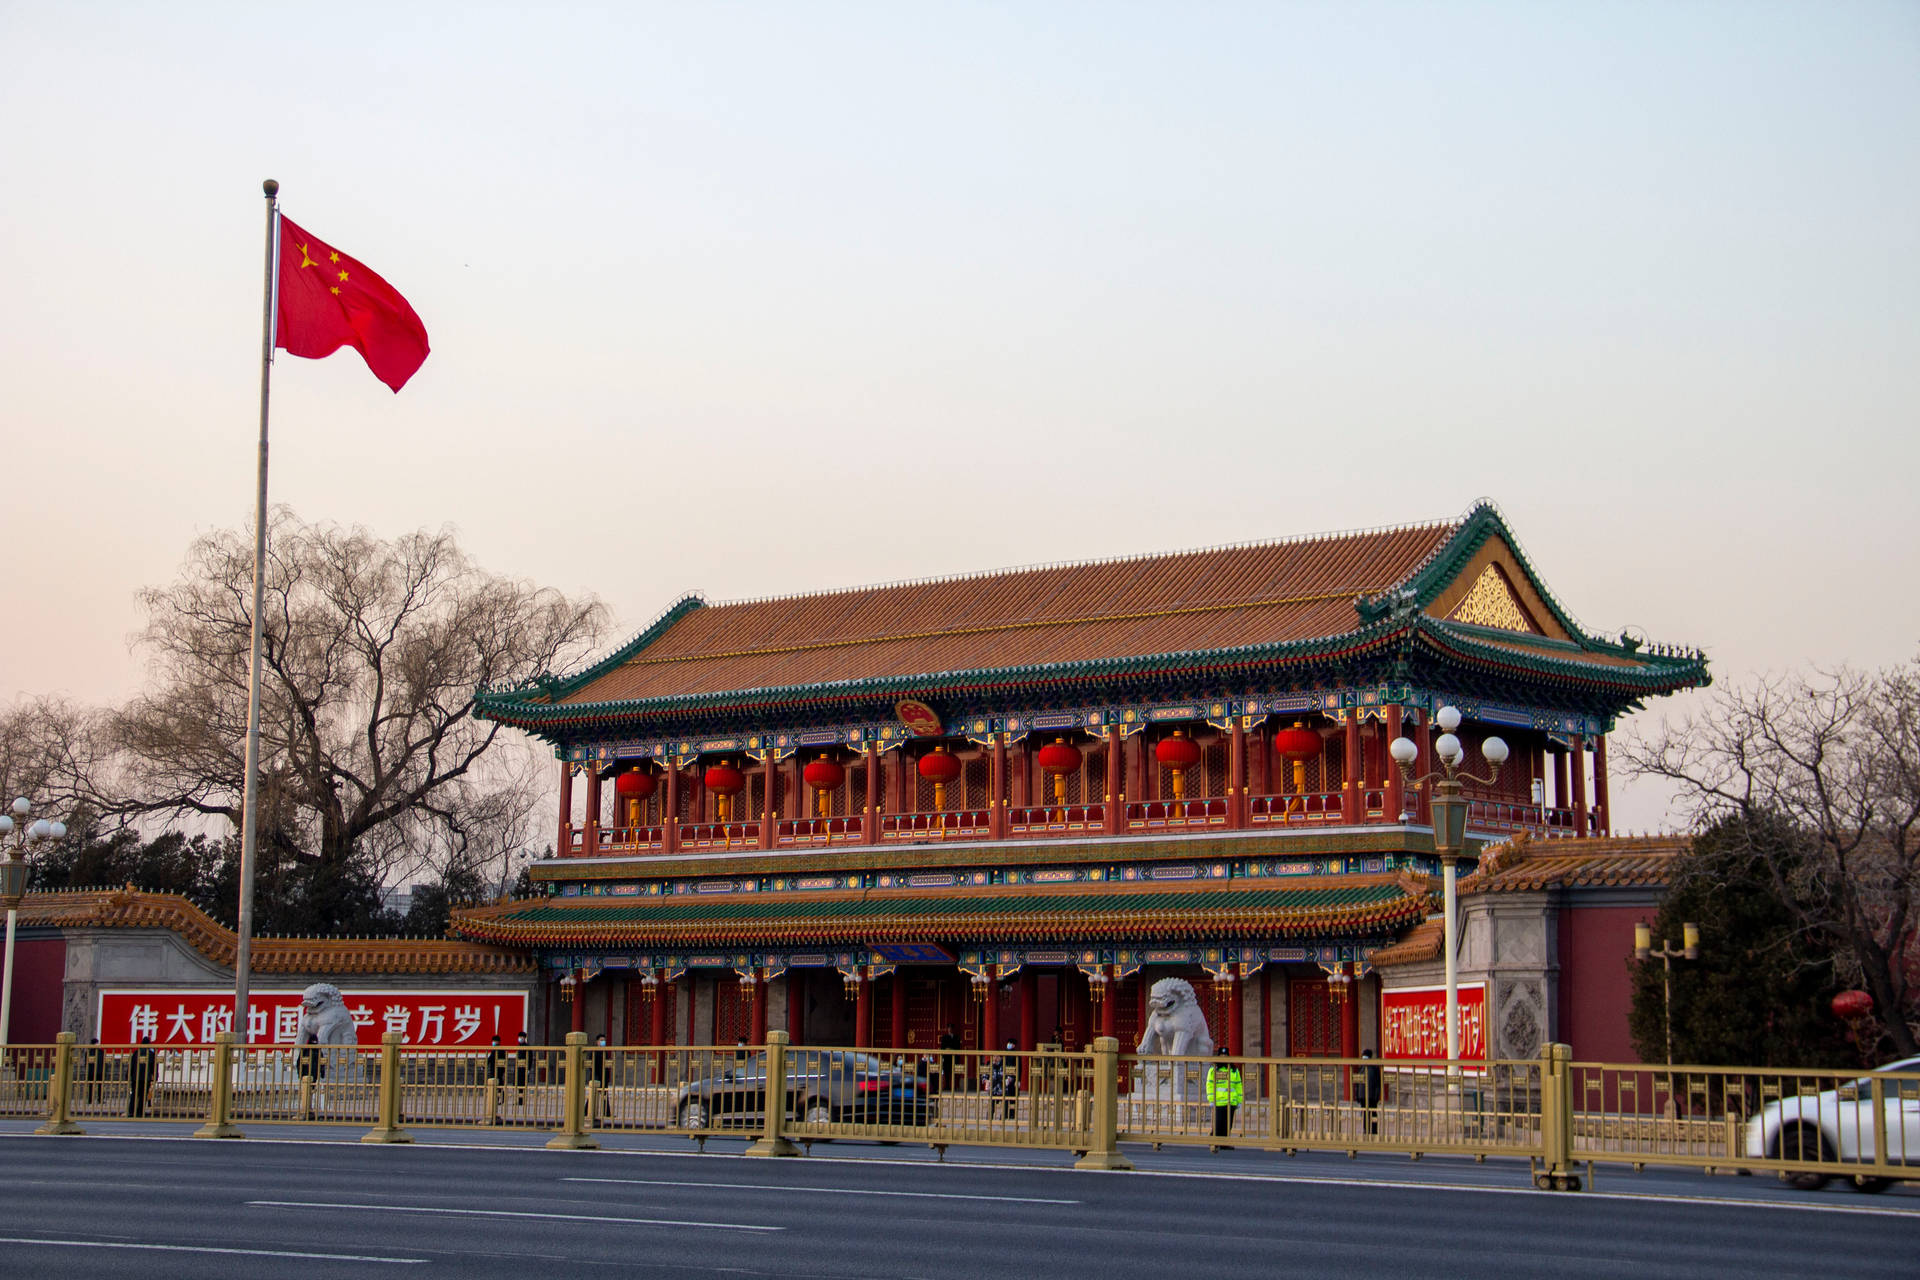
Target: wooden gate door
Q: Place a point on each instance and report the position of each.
(1313, 1024)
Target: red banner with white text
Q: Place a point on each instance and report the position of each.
(447, 1019)
(1413, 1022)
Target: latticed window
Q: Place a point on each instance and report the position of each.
(976, 783)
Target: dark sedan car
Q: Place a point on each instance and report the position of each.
(821, 1088)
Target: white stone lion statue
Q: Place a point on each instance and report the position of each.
(1176, 1028)
(325, 1020)
(323, 1017)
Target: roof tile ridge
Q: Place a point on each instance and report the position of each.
(1044, 566)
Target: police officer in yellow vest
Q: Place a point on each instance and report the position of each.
(1226, 1092)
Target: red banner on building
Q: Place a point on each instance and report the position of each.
(448, 1019)
(1413, 1022)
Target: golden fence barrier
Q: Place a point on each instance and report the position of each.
(1340, 1104)
(26, 1078)
(1808, 1126)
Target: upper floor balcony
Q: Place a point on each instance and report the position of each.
(1243, 778)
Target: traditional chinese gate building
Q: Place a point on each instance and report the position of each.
(1011, 801)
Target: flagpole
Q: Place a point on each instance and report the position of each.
(250, 795)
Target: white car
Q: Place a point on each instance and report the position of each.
(1837, 1127)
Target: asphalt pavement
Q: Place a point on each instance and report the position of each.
(147, 1201)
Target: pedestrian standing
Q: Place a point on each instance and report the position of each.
(949, 1042)
(140, 1078)
(1370, 1092)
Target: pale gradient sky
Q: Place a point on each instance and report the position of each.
(768, 298)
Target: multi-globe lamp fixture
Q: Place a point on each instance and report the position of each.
(1449, 834)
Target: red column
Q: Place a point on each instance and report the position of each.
(670, 809)
(759, 1034)
(593, 809)
(1562, 792)
(1350, 1021)
(1022, 775)
(1237, 774)
(1577, 765)
(1266, 1011)
(1236, 1029)
(1116, 798)
(1353, 785)
(657, 1015)
(769, 817)
(1602, 811)
(1109, 1015)
(899, 1008)
(1396, 785)
(577, 1016)
(796, 1006)
(1423, 738)
(566, 809)
(873, 796)
(997, 786)
(990, 1013)
(1259, 768)
(1137, 769)
(1029, 1008)
(863, 1012)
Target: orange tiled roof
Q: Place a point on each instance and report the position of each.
(1214, 599)
(131, 908)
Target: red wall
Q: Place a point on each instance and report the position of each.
(1596, 993)
(41, 968)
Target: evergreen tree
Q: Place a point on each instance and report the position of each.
(1758, 995)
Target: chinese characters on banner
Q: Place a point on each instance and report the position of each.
(449, 1019)
(1413, 1022)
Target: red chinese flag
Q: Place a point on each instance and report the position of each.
(329, 301)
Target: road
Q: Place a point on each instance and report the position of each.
(161, 1205)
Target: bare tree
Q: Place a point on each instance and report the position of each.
(372, 653)
(1835, 757)
(46, 745)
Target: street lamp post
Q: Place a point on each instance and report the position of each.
(13, 884)
(1449, 837)
(1643, 950)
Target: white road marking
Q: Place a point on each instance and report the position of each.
(824, 1191)
(205, 1248)
(508, 1213)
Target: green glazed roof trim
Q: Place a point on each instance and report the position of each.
(787, 908)
(967, 855)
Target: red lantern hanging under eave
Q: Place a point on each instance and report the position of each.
(634, 785)
(725, 781)
(825, 776)
(1178, 753)
(1849, 1005)
(1059, 758)
(939, 768)
(1297, 744)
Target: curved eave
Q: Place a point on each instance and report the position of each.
(973, 926)
(1651, 674)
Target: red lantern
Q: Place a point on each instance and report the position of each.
(725, 781)
(1177, 752)
(1059, 756)
(824, 775)
(634, 785)
(1849, 1005)
(938, 767)
(1298, 743)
